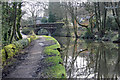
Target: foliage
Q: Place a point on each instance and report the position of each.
(12, 49)
(44, 20)
(11, 16)
(21, 44)
(111, 24)
(52, 17)
(55, 12)
(88, 35)
(42, 32)
(27, 30)
(89, 7)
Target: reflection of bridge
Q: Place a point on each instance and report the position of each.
(50, 27)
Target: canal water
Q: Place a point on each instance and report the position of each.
(90, 59)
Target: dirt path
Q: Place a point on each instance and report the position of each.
(29, 66)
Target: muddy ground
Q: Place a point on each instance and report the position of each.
(29, 63)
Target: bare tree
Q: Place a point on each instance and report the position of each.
(34, 10)
(72, 9)
(116, 14)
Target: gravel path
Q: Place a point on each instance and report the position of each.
(30, 64)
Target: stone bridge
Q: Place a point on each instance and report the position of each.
(50, 27)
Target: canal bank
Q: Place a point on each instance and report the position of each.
(100, 60)
(42, 60)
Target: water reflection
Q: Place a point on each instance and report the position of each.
(88, 59)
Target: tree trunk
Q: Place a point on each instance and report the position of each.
(74, 26)
(99, 18)
(14, 25)
(96, 14)
(116, 17)
(67, 26)
(104, 20)
(18, 21)
(74, 20)
(105, 14)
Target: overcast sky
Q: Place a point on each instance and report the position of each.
(26, 6)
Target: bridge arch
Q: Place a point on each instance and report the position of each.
(50, 27)
(42, 31)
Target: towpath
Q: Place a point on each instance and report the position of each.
(29, 65)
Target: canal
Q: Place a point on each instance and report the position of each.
(90, 59)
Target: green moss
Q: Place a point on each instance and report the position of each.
(3, 55)
(55, 60)
(29, 40)
(48, 37)
(57, 71)
(14, 48)
(10, 50)
(51, 52)
(51, 38)
(33, 37)
(55, 46)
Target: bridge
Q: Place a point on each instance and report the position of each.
(50, 27)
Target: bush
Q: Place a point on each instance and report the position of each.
(44, 20)
(21, 44)
(111, 24)
(12, 49)
(43, 32)
(88, 35)
(27, 30)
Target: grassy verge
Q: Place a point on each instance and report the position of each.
(54, 60)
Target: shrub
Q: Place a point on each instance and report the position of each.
(27, 30)
(88, 35)
(44, 20)
(12, 49)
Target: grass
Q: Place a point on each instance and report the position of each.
(54, 60)
(57, 70)
(51, 52)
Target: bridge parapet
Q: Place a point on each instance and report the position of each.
(47, 25)
(50, 27)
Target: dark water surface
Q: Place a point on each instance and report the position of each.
(90, 59)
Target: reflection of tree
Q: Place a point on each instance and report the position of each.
(73, 55)
(105, 62)
(67, 49)
(72, 69)
(101, 64)
(117, 66)
(99, 60)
